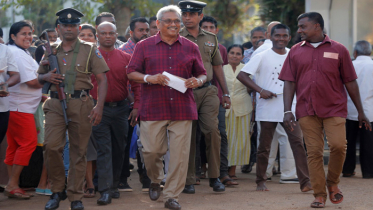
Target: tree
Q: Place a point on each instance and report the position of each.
(41, 12)
(285, 11)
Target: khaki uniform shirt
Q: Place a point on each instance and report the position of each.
(208, 47)
(96, 64)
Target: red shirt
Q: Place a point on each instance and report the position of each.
(319, 74)
(214, 81)
(182, 58)
(117, 80)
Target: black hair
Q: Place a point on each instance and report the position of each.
(17, 27)
(42, 36)
(1, 33)
(90, 27)
(208, 19)
(101, 15)
(235, 45)
(134, 21)
(122, 38)
(313, 16)
(280, 26)
(56, 23)
(154, 18)
(247, 45)
(260, 40)
(261, 29)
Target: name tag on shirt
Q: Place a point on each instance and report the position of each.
(331, 55)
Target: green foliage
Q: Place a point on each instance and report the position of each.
(285, 11)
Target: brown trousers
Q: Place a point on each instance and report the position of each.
(79, 130)
(207, 103)
(313, 128)
(153, 135)
(296, 144)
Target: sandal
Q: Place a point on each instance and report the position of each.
(228, 181)
(234, 177)
(319, 202)
(335, 194)
(348, 175)
(89, 193)
(17, 193)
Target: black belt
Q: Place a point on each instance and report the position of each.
(204, 85)
(117, 103)
(77, 94)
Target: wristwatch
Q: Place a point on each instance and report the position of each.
(229, 96)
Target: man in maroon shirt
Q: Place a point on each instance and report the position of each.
(318, 70)
(111, 133)
(164, 108)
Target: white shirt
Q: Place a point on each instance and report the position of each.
(6, 59)
(265, 46)
(364, 70)
(23, 98)
(266, 67)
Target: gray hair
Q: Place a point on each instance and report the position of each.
(169, 8)
(261, 29)
(363, 47)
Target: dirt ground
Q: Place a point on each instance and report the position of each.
(357, 195)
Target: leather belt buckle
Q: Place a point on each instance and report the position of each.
(83, 95)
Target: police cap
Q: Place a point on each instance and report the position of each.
(191, 6)
(69, 16)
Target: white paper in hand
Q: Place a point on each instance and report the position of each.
(176, 82)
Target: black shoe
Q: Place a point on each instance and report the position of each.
(247, 168)
(189, 189)
(115, 193)
(217, 185)
(77, 205)
(131, 166)
(54, 201)
(105, 198)
(124, 187)
(172, 204)
(146, 185)
(154, 191)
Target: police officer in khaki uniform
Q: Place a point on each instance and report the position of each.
(205, 96)
(77, 60)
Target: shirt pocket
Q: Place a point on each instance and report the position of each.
(185, 61)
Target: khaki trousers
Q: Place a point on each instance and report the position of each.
(79, 130)
(153, 135)
(313, 128)
(207, 103)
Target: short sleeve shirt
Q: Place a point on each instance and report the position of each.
(182, 58)
(89, 59)
(23, 98)
(320, 74)
(6, 59)
(208, 47)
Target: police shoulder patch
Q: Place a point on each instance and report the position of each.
(98, 53)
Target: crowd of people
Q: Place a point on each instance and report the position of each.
(183, 105)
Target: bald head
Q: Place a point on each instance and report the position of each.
(269, 28)
(108, 25)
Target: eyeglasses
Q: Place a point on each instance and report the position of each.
(169, 21)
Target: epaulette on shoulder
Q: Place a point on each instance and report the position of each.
(86, 43)
(207, 32)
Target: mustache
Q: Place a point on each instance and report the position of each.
(172, 27)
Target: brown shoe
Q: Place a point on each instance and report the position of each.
(154, 191)
(172, 204)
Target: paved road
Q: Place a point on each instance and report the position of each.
(357, 192)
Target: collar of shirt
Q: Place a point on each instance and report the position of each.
(59, 46)
(363, 57)
(326, 39)
(106, 53)
(128, 47)
(184, 32)
(159, 39)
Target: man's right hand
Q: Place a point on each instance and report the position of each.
(265, 94)
(289, 121)
(159, 79)
(53, 78)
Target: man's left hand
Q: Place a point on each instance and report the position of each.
(96, 115)
(226, 102)
(363, 119)
(192, 83)
(133, 117)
